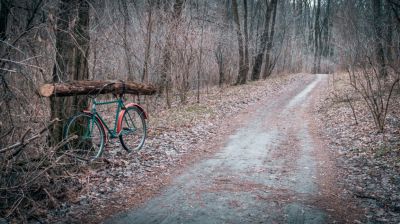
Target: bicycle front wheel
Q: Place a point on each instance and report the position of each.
(133, 129)
(87, 137)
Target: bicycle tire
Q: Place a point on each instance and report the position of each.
(89, 142)
(133, 130)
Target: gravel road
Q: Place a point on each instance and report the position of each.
(266, 172)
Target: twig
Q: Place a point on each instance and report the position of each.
(55, 148)
(75, 156)
(352, 108)
(59, 145)
(25, 134)
(21, 63)
(22, 143)
(7, 132)
(15, 205)
(7, 70)
(52, 199)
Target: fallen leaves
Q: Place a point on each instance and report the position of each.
(369, 158)
(174, 135)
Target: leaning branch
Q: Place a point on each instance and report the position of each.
(94, 87)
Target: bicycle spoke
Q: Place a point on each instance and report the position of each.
(91, 137)
(133, 130)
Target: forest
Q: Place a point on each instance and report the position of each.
(206, 60)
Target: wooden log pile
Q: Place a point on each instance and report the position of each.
(94, 87)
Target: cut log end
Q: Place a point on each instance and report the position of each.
(46, 90)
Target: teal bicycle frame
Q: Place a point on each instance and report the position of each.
(120, 105)
(125, 124)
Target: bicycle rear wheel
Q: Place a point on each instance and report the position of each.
(88, 137)
(133, 129)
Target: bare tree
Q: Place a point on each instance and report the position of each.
(149, 32)
(268, 29)
(269, 64)
(201, 53)
(4, 11)
(246, 38)
(326, 30)
(123, 8)
(166, 67)
(219, 56)
(380, 55)
(242, 75)
(317, 39)
(72, 36)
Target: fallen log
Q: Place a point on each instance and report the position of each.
(94, 87)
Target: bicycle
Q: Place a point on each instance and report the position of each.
(89, 133)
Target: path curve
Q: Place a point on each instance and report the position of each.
(266, 172)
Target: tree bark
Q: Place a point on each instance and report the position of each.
(220, 62)
(268, 64)
(255, 75)
(379, 52)
(94, 87)
(166, 68)
(246, 39)
(326, 24)
(242, 76)
(389, 35)
(148, 44)
(124, 10)
(4, 11)
(395, 6)
(317, 39)
(200, 65)
(72, 45)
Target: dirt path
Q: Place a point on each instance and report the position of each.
(267, 172)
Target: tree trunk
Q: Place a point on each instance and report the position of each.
(124, 10)
(4, 11)
(326, 46)
(71, 59)
(379, 52)
(241, 78)
(395, 9)
(317, 39)
(268, 64)
(199, 70)
(259, 20)
(148, 44)
(246, 39)
(220, 62)
(166, 68)
(255, 75)
(389, 35)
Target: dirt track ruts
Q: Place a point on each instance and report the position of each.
(267, 172)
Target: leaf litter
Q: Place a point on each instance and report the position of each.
(369, 160)
(121, 180)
